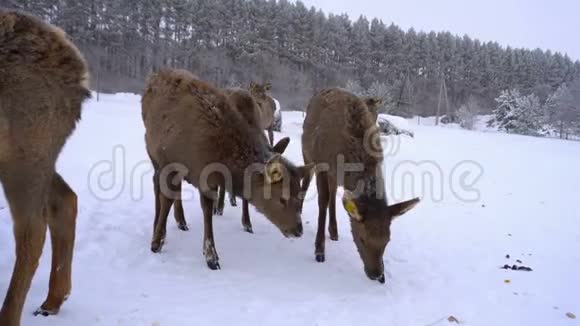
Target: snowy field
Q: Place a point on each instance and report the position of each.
(488, 195)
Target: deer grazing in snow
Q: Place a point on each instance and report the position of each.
(43, 83)
(194, 134)
(245, 104)
(339, 128)
(266, 106)
(260, 116)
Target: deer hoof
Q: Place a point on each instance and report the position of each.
(213, 265)
(248, 228)
(45, 312)
(381, 279)
(211, 256)
(333, 232)
(183, 227)
(156, 246)
(320, 257)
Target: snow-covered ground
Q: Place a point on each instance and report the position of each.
(480, 123)
(490, 195)
(398, 122)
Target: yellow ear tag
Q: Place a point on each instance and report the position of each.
(274, 173)
(350, 208)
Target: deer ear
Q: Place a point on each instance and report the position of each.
(8, 22)
(274, 169)
(350, 206)
(305, 170)
(373, 103)
(281, 146)
(253, 86)
(402, 208)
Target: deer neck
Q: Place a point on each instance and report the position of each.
(369, 182)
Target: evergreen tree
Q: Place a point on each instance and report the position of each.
(526, 118)
(355, 87)
(519, 114)
(507, 102)
(563, 110)
(299, 50)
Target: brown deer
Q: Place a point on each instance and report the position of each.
(194, 134)
(374, 105)
(337, 130)
(43, 83)
(267, 107)
(244, 103)
(256, 115)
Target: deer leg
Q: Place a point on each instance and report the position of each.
(218, 208)
(156, 194)
(178, 212)
(271, 135)
(233, 201)
(26, 197)
(323, 198)
(304, 189)
(166, 197)
(209, 251)
(161, 227)
(332, 224)
(62, 214)
(246, 223)
(163, 206)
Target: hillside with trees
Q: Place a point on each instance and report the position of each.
(299, 50)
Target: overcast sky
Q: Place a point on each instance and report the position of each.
(547, 24)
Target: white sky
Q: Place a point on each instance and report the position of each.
(547, 24)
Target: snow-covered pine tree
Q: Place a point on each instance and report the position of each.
(506, 103)
(354, 87)
(553, 107)
(575, 107)
(563, 111)
(526, 117)
(286, 43)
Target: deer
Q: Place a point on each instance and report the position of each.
(192, 133)
(43, 83)
(340, 129)
(245, 104)
(261, 117)
(373, 104)
(266, 106)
